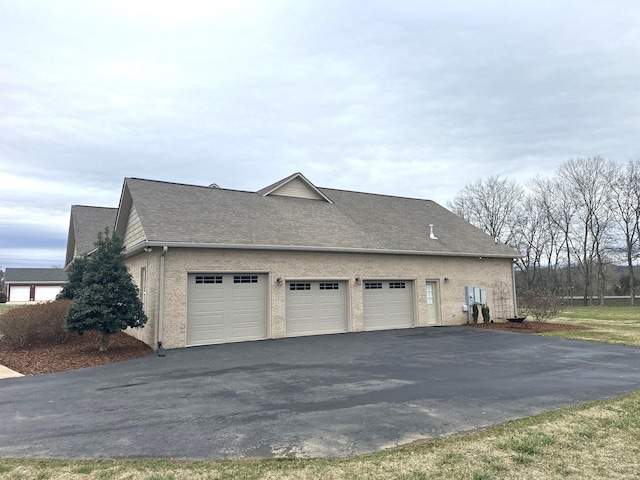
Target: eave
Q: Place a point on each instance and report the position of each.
(300, 248)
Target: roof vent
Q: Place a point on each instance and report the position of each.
(214, 185)
(432, 235)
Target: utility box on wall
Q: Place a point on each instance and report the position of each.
(475, 295)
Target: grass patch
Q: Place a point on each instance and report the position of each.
(615, 325)
(5, 307)
(627, 314)
(595, 440)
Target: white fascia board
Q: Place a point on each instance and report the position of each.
(295, 248)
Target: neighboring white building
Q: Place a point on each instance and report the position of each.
(217, 265)
(33, 284)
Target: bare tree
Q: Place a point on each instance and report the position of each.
(530, 238)
(561, 210)
(564, 226)
(589, 180)
(540, 304)
(491, 205)
(626, 205)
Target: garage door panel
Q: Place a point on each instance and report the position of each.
(226, 308)
(46, 293)
(208, 330)
(388, 304)
(19, 294)
(314, 308)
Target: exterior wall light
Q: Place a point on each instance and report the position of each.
(358, 279)
(446, 279)
(279, 281)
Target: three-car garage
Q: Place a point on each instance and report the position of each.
(232, 307)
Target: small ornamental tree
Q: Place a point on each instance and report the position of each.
(486, 314)
(107, 301)
(474, 313)
(541, 304)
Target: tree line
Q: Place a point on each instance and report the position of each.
(572, 228)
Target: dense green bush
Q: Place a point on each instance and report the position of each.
(3, 297)
(29, 323)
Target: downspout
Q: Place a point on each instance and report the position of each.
(161, 302)
(513, 286)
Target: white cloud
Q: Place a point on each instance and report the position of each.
(404, 98)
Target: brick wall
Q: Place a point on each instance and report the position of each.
(495, 275)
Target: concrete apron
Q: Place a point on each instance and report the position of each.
(8, 373)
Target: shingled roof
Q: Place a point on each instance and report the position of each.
(84, 225)
(35, 275)
(193, 216)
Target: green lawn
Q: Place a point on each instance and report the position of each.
(4, 307)
(591, 441)
(617, 325)
(608, 314)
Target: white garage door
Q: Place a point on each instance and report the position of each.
(226, 308)
(315, 308)
(19, 294)
(46, 293)
(388, 304)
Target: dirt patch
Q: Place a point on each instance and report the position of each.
(527, 327)
(76, 352)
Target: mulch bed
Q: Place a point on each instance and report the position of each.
(75, 352)
(83, 351)
(527, 327)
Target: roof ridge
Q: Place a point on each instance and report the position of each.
(94, 206)
(379, 194)
(181, 184)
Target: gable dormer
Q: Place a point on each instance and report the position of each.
(296, 185)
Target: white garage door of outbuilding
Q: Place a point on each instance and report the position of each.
(46, 293)
(388, 304)
(223, 307)
(19, 293)
(315, 308)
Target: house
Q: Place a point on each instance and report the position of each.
(216, 265)
(33, 284)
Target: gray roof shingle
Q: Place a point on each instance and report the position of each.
(35, 275)
(186, 214)
(84, 225)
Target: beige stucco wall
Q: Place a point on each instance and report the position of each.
(492, 274)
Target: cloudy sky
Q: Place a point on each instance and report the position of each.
(409, 98)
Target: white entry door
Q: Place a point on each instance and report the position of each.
(433, 306)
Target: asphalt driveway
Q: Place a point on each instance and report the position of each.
(333, 395)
